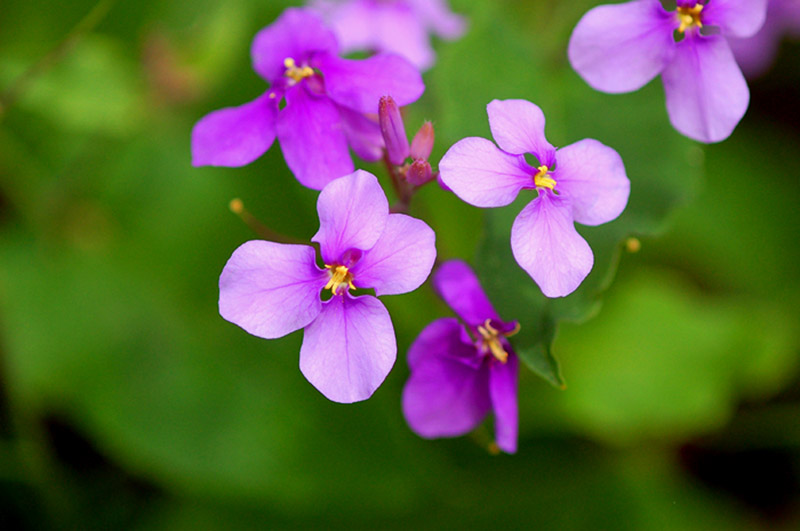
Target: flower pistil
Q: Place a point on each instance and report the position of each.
(689, 17)
(542, 178)
(490, 339)
(340, 276)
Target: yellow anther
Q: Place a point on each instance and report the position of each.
(295, 73)
(490, 339)
(339, 276)
(541, 179)
(689, 17)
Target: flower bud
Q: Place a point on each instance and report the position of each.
(419, 172)
(422, 145)
(393, 130)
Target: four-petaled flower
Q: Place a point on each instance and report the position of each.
(399, 26)
(583, 182)
(271, 289)
(619, 48)
(326, 101)
(460, 373)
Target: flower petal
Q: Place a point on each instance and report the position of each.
(312, 138)
(444, 397)
(297, 33)
(350, 21)
(352, 215)
(706, 92)
(359, 84)
(547, 246)
(271, 289)
(438, 16)
(483, 175)
(457, 284)
(503, 392)
(235, 136)
(592, 176)
(363, 134)
(401, 260)
(518, 127)
(349, 349)
(736, 18)
(620, 47)
(398, 29)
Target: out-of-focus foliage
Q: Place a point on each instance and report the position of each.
(128, 402)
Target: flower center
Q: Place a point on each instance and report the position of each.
(340, 276)
(542, 179)
(689, 17)
(490, 340)
(295, 73)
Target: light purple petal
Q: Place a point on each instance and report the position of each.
(312, 138)
(739, 18)
(449, 338)
(547, 246)
(363, 134)
(620, 47)
(755, 54)
(235, 136)
(457, 284)
(518, 127)
(437, 15)
(483, 175)
(503, 392)
(349, 348)
(352, 215)
(401, 260)
(593, 177)
(444, 397)
(398, 29)
(271, 289)
(359, 84)
(706, 92)
(351, 21)
(297, 33)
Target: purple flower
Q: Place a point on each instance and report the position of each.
(399, 26)
(272, 289)
(326, 101)
(755, 54)
(619, 48)
(460, 373)
(583, 182)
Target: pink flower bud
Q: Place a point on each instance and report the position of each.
(393, 130)
(419, 173)
(422, 145)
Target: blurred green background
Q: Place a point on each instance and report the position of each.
(127, 402)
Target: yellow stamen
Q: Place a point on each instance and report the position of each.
(339, 276)
(541, 179)
(490, 337)
(690, 17)
(295, 73)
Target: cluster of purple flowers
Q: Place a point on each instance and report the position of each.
(320, 106)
